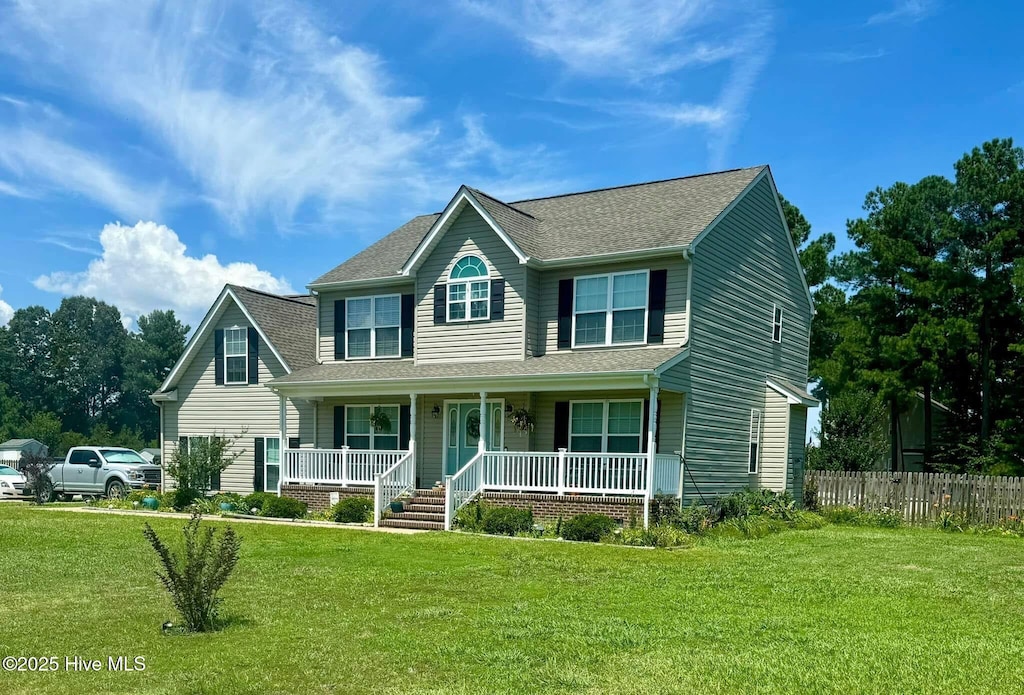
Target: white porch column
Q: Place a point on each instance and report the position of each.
(283, 442)
(482, 442)
(652, 427)
(412, 422)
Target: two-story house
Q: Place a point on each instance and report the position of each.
(556, 352)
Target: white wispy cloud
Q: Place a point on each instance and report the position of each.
(6, 310)
(48, 162)
(848, 56)
(146, 267)
(646, 44)
(254, 107)
(908, 11)
(13, 191)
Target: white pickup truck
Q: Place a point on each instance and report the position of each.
(102, 470)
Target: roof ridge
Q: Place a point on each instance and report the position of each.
(501, 202)
(294, 298)
(635, 185)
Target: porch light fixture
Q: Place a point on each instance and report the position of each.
(435, 412)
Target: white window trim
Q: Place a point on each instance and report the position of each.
(467, 302)
(373, 327)
(395, 426)
(776, 325)
(244, 355)
(753, 467)
(266, 462)
(609, 311)
(604, 422)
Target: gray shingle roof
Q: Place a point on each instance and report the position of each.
(17, 443)
(660, 214)
(289, 322)
(583, 362)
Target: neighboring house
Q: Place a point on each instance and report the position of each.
(151, 454)
(911, 434)
(632, 325)
(12, 450)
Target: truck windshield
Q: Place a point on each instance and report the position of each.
(122, 456)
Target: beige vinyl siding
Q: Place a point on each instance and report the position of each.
(470, 340)
(743, 267)
(534, 343)
(772, 473)
(671, 415)
(325, 303)
(797, 450)
(204, 408)
(675, 296)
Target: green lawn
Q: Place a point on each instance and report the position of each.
(319, 610)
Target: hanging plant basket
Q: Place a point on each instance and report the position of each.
(521, 419)
(380, 421)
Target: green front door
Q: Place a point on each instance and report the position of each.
(463, 426)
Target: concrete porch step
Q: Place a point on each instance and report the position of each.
(393, 522)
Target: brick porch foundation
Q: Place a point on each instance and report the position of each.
(318, 497)
(550, 507)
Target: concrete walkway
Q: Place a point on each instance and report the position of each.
(238, 519)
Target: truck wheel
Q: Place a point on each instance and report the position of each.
(115, 490)
(44, 492)
(64, 497)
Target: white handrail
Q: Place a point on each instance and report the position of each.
(393, 483)
(461, 487)
(342, 466)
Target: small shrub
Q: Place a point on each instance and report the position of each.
(694, 519)
(354, 510)
(760, 502)
(285, 508)
(507, 521)
(232, 498)
(471, 517)
(255, 502)
(811, 495)
(194, 578)
(588, 527)
(182, 498)
(656, 536)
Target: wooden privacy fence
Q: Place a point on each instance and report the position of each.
(922, 497)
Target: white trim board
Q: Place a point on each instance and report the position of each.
(463, 197)
(203, 331)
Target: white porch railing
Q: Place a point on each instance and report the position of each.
(668, 475)
(343, 466)
(393, 483)
(462, 487)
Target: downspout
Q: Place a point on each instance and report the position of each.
(688, 257)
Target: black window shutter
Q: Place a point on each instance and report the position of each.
(657, 426)
(656, 306)
(440, 297)
(254, 356)
(258, 461)
(564, 313)
(497, 299)
(408, 321)
(339, 426)
(218, 357)
(561, 425)
(294, 442)
(404, 426)
(339, 329)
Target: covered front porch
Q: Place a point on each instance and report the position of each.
(606, 435)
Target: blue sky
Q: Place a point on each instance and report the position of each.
(149, 153)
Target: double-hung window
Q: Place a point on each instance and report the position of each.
(755, 440)
(610, 309)
(777, 324)
(469, 299)
(373, 326)
(372, 426)
(236, 356)
(606, 426)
